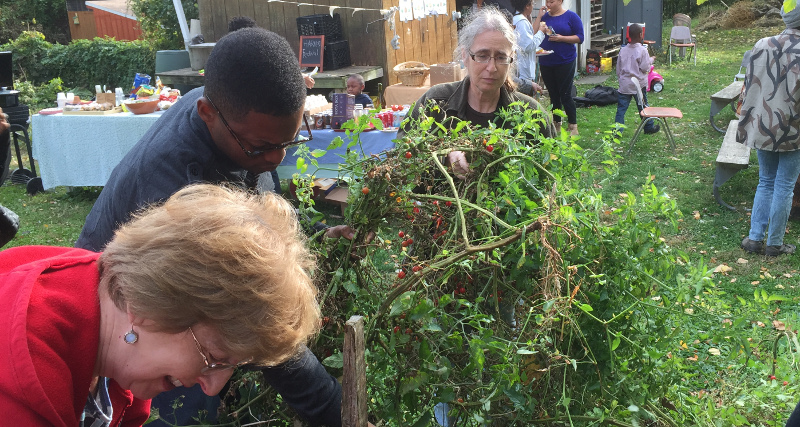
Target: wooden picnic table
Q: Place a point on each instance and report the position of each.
(726, 96)
(334, 79)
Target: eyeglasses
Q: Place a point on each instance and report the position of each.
(214, 366)
(483, 58)
(298, 139)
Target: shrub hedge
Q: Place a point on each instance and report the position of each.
(82, 63)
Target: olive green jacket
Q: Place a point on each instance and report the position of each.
(452, 101)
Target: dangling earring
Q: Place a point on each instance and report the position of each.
(130, 337)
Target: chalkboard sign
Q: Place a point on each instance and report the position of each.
(311, 48)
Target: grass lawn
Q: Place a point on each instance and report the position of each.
(708, 232)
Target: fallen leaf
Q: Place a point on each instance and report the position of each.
(779, 287)
(696, 214)
(714, 351)
(722, 268)
(689, 311)
(760, 324)
(754, 282)
(768, 276)
(733, 280)
(787, 275)
(777, 324)
(692, 358)
(741, 261)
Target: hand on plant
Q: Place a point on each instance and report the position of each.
(340, 231)
(347, 232)
(458, 161)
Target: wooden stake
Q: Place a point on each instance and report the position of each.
(354, 383)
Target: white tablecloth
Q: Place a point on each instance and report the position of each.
(78, 150)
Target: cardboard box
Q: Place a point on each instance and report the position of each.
(338, 196)
(445, 73)
(321, 188)
(106, 97)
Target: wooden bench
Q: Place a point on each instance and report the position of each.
(727, 96)
(732, 158)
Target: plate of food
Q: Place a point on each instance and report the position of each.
(542, 52)
(49, 111)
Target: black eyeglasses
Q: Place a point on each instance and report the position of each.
(298, 139)
(483, 58)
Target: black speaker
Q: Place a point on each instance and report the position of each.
(6, 70)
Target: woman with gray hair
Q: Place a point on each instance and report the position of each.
(486, 47)
(770, 123)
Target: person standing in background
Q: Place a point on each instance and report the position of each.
(770, 123)
(558, 69)
(633, 61)
(529, 37)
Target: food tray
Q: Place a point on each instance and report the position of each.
(114, 110)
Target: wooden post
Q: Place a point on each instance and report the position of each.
(354, 383)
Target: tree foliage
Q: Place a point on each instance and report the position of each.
(46, 16)
(159, 22)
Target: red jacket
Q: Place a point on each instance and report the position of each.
(50, 317)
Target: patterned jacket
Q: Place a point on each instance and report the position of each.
(770, 118)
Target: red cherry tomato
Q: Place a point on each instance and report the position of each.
(490, 148)
(408, 154)
(401, 234)
(401, 275)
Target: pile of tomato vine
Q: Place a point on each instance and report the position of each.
(511, 295)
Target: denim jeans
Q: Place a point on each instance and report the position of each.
(777, 174)
(623, 101)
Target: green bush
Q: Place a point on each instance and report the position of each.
(82, 63)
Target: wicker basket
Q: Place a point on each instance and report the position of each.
(412, 73)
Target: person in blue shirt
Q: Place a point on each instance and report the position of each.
(355, 86)
(558, 69)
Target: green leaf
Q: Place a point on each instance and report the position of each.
(424, 420)
(788, 5)
(318, 153)
(335, 361)
(446, 395)
(516, 397)
(336, 143)
(615, 343)
(778, 298)
(586, 307)
(525, 351)
(350, 286)
(413, 383)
